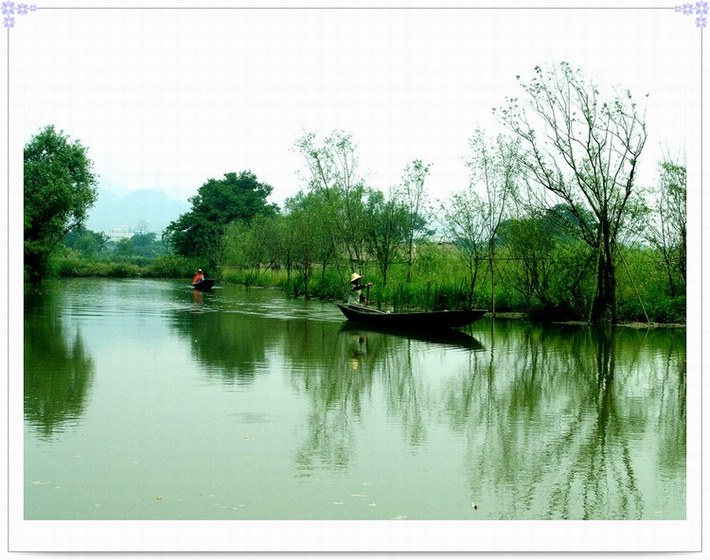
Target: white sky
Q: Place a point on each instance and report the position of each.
(167, 99)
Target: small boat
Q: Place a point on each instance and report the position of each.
(203, 285)
(416, 320)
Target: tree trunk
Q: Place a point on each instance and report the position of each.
(604, 305)
(410, 259)
(491, 259)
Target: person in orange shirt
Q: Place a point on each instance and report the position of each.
(199, 277)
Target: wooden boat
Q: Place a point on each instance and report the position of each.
(203, 285)
(417, 320)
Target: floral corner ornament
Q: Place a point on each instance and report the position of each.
(10, 10)
(697, 9)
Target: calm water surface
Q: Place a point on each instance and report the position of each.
(144, 400)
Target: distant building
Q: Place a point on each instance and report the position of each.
(126, 232)
(118, 233)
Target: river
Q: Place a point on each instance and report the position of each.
(146, 400)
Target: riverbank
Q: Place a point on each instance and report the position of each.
(421, 292)
(520, 316)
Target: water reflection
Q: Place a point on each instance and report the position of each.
(58, 370)
(340, 369)
(556, 419)
(450, 337)
(231, 346)
(525, 421)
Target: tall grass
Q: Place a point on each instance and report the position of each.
(439, 280)
(169, 266)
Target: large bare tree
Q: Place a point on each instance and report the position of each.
(583, 149)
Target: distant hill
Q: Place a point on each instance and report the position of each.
(145, 209)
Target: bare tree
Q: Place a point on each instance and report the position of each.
(584, 150)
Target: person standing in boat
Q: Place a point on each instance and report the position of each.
(356, 288)
(199, 277)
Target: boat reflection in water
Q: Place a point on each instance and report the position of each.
(449, 337)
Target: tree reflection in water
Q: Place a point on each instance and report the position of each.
(556, 422)
(552, 420)
(528, 422)
(57, 369)
(340, 373)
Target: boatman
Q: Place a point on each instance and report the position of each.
(356, 288)
(199, 277)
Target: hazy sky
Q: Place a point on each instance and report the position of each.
(167, 98)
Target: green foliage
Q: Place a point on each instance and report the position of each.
(59, 188)
(199, 233)
(341, 190)
(86, 242)
(386, 230)
(522, 256)
(72, 264)
(413, 198)
(145, 245)
(668, 230)
(171, 266)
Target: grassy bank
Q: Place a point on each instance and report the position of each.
(641, 289)
(72, 265)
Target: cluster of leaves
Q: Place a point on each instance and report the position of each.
(59, 188)
(92, 244)
(199, 233)
(336, 221)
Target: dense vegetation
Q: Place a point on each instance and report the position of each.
(59, 188)
(552, 222)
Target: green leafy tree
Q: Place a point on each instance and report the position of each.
(494, 168)
(59, 189)
(140, 245)
(668, 234)
(146, 245)
(307, 238)
(385, 230)
(199, 233)
(255, 246)
(86, 242)
(414, 198)
(549, 266)
(333, 173)
(464, 221)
